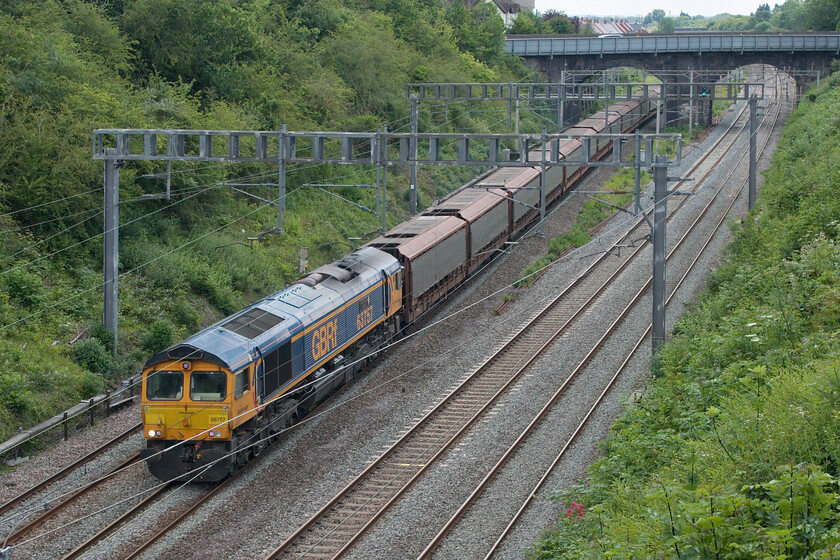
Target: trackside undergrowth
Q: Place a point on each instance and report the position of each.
(733, 451)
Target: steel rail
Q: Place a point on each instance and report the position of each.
(68, 469)
(177, 521)
(517, 444)
(66, 500)
(114, 525)
(436, 541)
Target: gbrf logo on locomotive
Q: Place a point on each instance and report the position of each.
(324, 339)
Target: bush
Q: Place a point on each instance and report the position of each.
(160, 336)
(23, 287)
(98, 332)
(92, 355)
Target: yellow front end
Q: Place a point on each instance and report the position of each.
(186, 420)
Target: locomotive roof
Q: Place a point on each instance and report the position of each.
(233, 341)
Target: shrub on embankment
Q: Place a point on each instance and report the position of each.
(733, 451)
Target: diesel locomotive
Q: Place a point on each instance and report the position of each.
(214, 401)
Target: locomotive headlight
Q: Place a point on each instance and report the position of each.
(151, 433)
(157, 433)
(212, 433)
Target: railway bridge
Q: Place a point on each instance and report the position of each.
(677, 58)
(809, 53)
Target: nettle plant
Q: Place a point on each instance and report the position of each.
(793, 516)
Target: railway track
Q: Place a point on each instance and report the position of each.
(23, 520)
(20, 498)
(343, 520)
(520, 443)
(162, 524)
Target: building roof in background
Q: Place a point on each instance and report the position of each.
(601, 26)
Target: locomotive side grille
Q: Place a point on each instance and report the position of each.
(253, 323)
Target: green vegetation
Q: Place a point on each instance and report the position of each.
(666, 25)
(669, 147)
(551, 22)
(70, 66)
(593, 213)
(719, 107)
(733, 450)
(792, 15)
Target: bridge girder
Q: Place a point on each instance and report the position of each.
(805, 65)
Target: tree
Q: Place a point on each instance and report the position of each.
(559, 23)
(479, 30)
(190, 41)
(822, 15)
(371, 60)
(790, 16)
(667, 25)
(763, 13)
(657, 15)
(527, 23)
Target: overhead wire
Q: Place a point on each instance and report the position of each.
(138, 267)
(200, 190)
(44, 240)
(51, 220)
(620, 224)
(77, 195)
(385, 348)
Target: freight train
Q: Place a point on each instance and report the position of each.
(214, 401)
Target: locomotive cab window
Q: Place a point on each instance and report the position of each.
(399, 277)
(242, 382)
(208, 385)
(164, 386)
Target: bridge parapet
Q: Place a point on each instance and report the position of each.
(672, 44)
(680, 58)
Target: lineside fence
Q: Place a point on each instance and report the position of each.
(73, 419)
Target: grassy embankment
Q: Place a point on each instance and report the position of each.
(733, 450)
